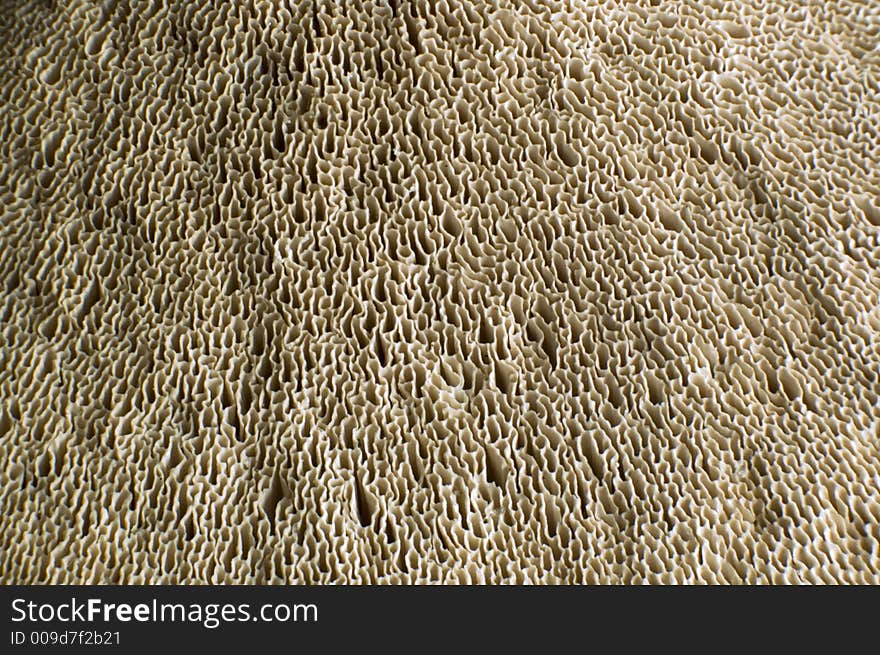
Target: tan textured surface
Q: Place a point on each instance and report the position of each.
(417, 291)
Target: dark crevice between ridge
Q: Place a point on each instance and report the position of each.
(363, 506)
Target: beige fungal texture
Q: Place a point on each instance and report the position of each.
(439, 291)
